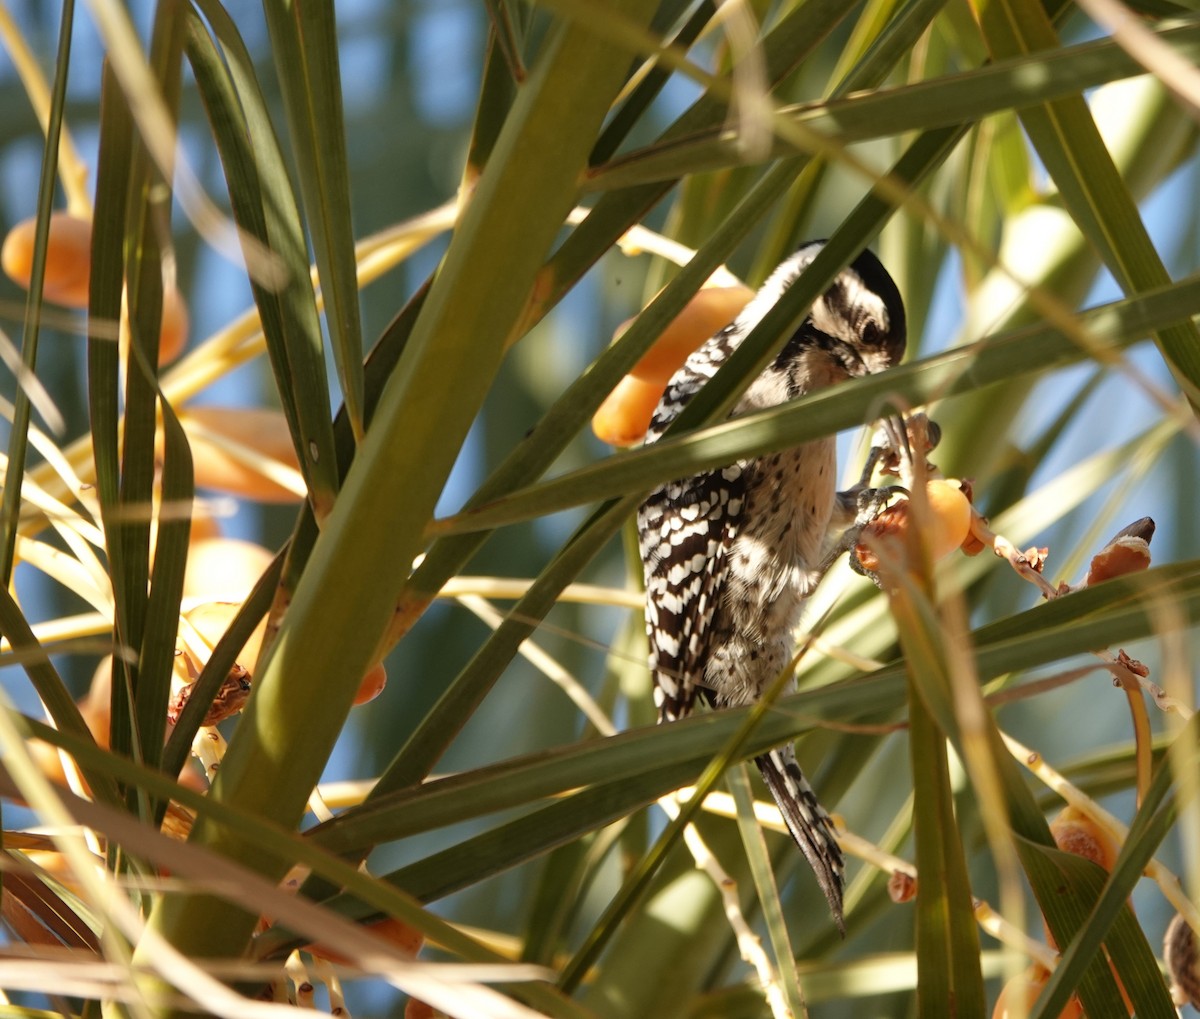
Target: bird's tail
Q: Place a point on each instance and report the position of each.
(807, 821)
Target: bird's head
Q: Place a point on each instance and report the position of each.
(858, 323)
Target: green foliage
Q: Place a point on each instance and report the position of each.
(956, 140)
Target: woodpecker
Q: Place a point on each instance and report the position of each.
(731, 554)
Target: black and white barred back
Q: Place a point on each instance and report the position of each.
(730, 554)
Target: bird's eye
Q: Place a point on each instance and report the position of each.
(871, 334)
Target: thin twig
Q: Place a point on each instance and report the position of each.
(1166, 880)
(767, 814)
(749, 945)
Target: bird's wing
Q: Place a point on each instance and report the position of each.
(686, 529)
